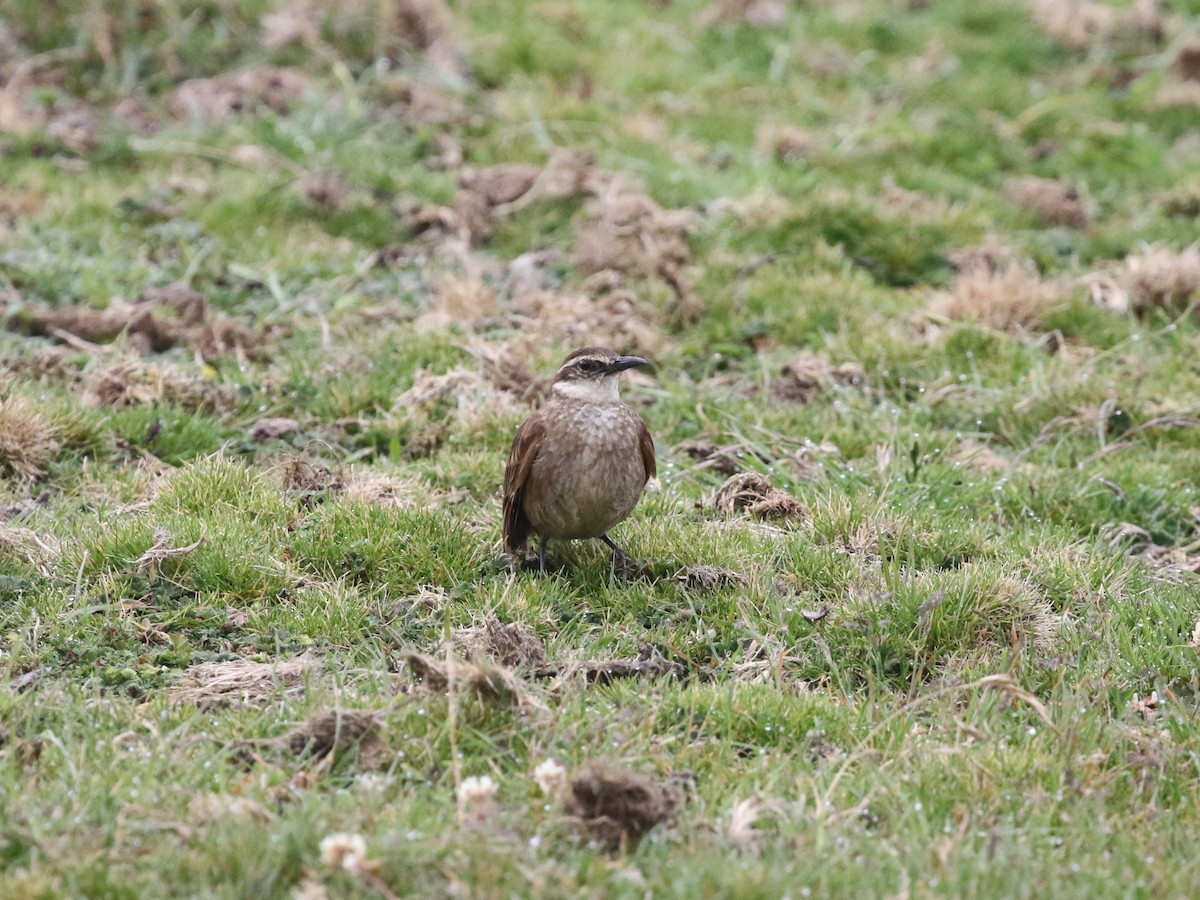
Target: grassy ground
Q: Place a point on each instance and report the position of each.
(930, 268)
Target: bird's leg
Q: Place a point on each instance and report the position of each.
(619, 556)
(542, 555)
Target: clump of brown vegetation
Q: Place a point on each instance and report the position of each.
(219, 99)
(1187, 61)
(1162, 279)
(161, 318)
(28, 441)
(1014, 300)
(615, 318)
(626, 232)
(330, 731)
(808, 375)
(709, 578)
(141, 384)
(785, 143)
(241, 681)
(484, 682)
(1052, 202)
(461, 300)
(501, 190)
(617, 807)
(756, 13)
(273, 428)
(753, 494)
(990, 257)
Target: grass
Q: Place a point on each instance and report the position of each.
(969, 667)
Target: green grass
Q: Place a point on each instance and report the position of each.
(925, 686)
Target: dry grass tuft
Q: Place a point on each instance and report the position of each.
(241, 681)
(458, 300)
(510, 645)
(23, 543)
(375, 487)
(752, 493)
(709, 578)
(28, 442)
(1161, 279)
(1052, 202)
(615, 806)
(1014, 300)
(807, 375)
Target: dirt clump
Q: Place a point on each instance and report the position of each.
(255, 90)
(485, 682)
(726, 459)
(1187, 61)
(754, 494)
(498, 191)
(511, 645)
(125, 384)
(330, 731)
(1053, 203)
(808, 375)
(307, 476)
(273, 428)
(615, 806)
(650, 663)
(161, 318)
(785, 143)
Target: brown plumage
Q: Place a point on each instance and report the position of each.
(578, 465)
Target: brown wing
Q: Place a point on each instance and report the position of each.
(647, 446)
(524, 451)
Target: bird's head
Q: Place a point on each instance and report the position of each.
(591, 374)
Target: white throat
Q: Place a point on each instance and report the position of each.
(588, 390)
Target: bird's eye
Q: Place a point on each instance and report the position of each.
(585, 365)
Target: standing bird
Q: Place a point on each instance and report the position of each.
(579, 464)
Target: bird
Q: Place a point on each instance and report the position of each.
(578, 465)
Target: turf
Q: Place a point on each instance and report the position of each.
(271, 317)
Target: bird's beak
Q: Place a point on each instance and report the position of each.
(625, 362)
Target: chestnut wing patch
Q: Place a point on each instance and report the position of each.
(646, 444)
(525, 448)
